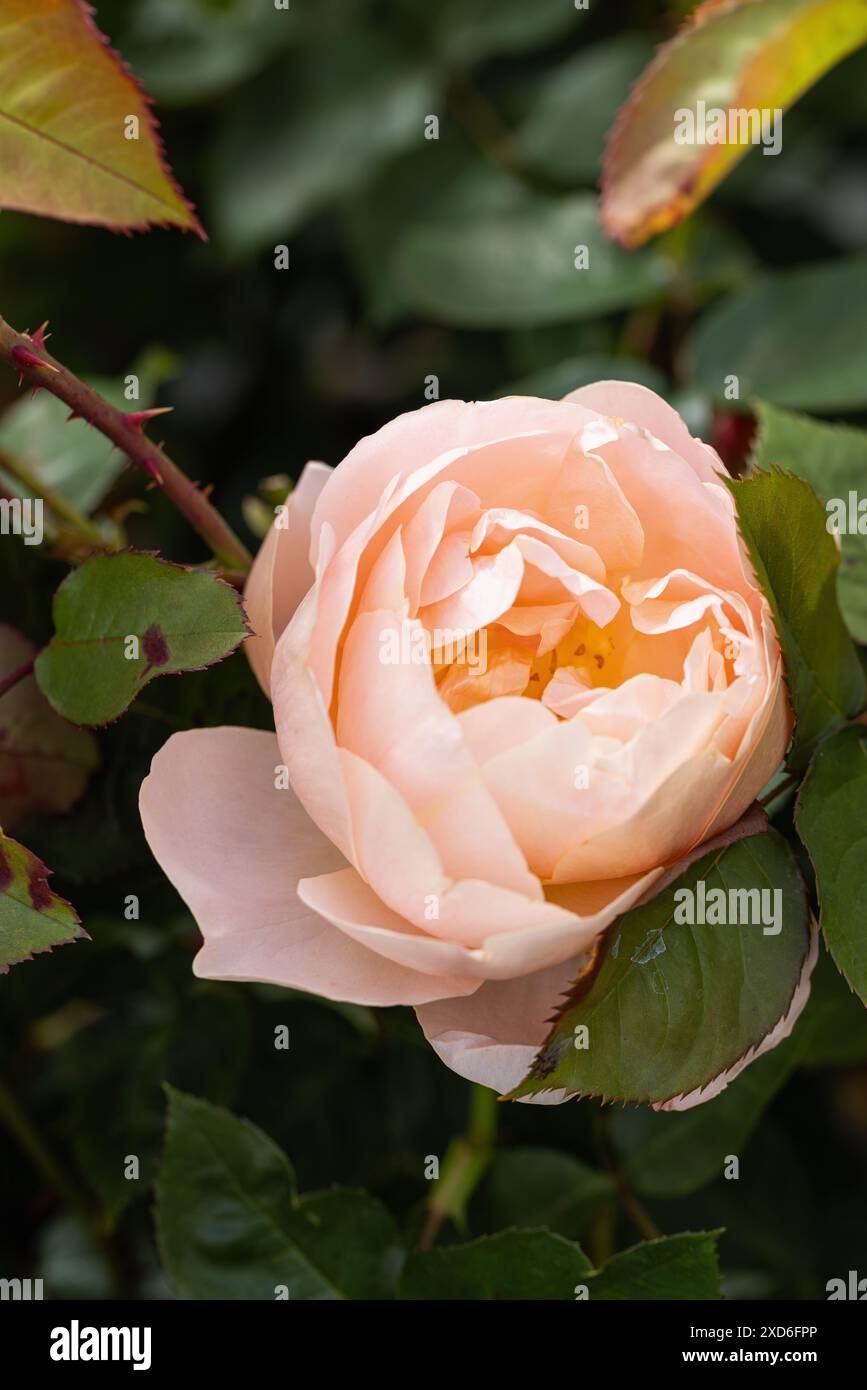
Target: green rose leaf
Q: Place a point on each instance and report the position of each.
(314, 130)
(563, 133)
(673, 1267)
(539, 1265)
(32, 917)
(671, 1005)
(528, 1186)
(779, 339)
(121, 621)
(512, 1264)
(518, 268)
(190, 51)
(469, 30)
(783, 525)
(231, 1224)
(201, 1044)
(833, 460)
(831, 817)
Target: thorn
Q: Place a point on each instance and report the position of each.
(40, 337)
(73, 415)
(137, 419)
(23, 357)
(150, 467)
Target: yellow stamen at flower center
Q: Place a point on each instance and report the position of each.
(585, 649)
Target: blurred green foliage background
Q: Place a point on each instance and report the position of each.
(408, 258)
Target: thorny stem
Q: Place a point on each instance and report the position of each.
(463, 1166)
(17, 675)
(29, 357)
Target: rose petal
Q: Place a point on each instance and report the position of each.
(235, 847)
(419, 749)
(638, 405)
(493, 1037)
(407, 444)
(281, 572)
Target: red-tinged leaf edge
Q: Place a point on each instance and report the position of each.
(88, 14)
(680, 202)
(624, 116)
(39, 895)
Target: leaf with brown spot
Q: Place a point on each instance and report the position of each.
(32, 916)
(122, 620)
(734, 55)
(156, 648)
(45, 762)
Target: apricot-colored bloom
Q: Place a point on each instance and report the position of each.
(519, 666)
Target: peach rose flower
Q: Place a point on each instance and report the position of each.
(520, 666)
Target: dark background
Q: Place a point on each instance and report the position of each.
(305, 129)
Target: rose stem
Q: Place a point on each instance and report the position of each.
(29, 356)
(463, 1166)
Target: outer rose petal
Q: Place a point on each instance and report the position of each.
(638, 405)
(410, 442)
(305, 732)
(281, 573)
(235, 848)
(493, 1038)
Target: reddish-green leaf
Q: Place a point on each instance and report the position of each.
(735, 56)
(32, 917)
(77, 138)
(44, 761)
